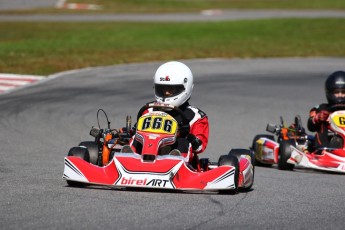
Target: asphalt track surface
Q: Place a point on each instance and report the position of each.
(224, 15)
(40, 123)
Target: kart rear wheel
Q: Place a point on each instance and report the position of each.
(336, 142)
(93, 149)
(254, 148)
(285, 154)
(238, 153)
(231, 161)
(80, 152)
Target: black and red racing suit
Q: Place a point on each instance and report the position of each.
(320, 127)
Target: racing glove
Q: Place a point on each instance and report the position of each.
(195, 142)
(321, 116)
(124, 130)
(131, 132)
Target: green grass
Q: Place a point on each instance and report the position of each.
(46, 48)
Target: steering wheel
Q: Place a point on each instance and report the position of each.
(184, 124)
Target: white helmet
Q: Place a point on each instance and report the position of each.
(173, 83)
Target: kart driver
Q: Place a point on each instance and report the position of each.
(173, 84)
(317, 122)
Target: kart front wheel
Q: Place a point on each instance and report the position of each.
(255, 149)
(285, 154)
(250, 154)
(239, 152)
(231, 161)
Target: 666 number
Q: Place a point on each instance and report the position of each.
(157, 123)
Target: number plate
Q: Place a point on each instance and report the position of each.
(157, 123)
(339, 120)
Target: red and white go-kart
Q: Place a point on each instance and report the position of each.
(110, 161)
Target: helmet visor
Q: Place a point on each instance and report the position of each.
(168, 90)
(338, 91)
(336, 96)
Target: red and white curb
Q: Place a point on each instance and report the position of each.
(9, 82)
(61, 4)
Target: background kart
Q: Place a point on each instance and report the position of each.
(110, 161)
(294, 147)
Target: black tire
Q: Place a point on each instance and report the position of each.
(80, 152)
(93, 149)
(231, 161)
(75, 184)
(336, 142)
(238, 153)
(254, 147)
(284, 154)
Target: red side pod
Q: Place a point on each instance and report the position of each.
(94, 174)
(274, 146)
(187, 179)
(339, 152)
(327, 160)
(244, 165)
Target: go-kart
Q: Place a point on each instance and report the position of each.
(109, 160)
(294, 147)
